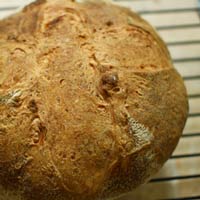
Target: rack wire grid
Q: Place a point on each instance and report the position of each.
(178, 23)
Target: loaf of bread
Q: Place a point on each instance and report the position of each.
(90, 104)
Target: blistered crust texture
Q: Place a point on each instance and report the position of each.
(90, 104)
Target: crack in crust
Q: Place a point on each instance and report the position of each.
(12, 99)
(141, 135)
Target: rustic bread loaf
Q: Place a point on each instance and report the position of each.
(90, 104)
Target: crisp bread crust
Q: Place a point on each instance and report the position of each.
(90, 104)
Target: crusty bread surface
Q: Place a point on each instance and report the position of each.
(90, 104)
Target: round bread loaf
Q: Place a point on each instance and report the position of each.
(90, 104)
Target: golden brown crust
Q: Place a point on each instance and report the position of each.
(90, 103)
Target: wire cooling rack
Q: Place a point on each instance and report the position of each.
(178, 22)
